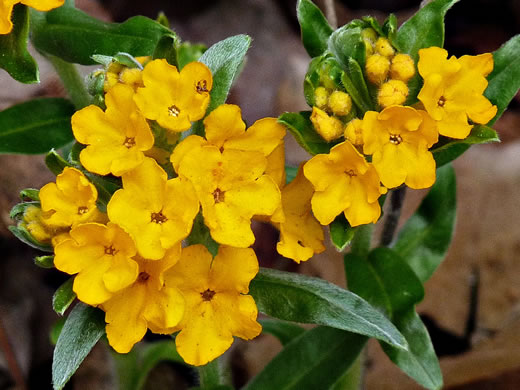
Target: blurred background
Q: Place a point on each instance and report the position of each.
(472, 302)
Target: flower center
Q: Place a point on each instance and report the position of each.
(207, 295)
(441, 102)
(129, 142)
(202, 86)
(395, 139)
(218, 195)
(174, 111)
(143, 277)
(158, 218)
(110, 250)
(82, 210)
(351, 173)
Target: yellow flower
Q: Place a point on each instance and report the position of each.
(340, 103)
(174, 99)
(391, 93)
(377, 68)
(398, 139)
(329, 127)
(117, 73)
(216, 305)
(453, 90)
(402, 67)
(231, 187)
(301, 235)
(157, 212)
(69, 201)
(384, 47)
(116, 138)
(101, 256)
(148, 303)
(344, 182)
(6, 9)
(354, 132)
(321, 97)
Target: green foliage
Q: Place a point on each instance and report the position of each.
(14, 57)
(341, 233)
(167, 48)
(36, 126)
(63, 297)
(315, 30)
(82, 330)
(314, 360)
(44, 261)
(300, 125)
(355, 85)
(30, 193)
(426, 236)
(55, 162)
(346, 43)
(504, 81)
(284, 331)
(24, 236)
(299, 298)
(189, 52)
(74, 36)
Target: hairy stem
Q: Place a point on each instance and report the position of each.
(392, 217)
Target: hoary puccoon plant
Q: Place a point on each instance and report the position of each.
(158, 181)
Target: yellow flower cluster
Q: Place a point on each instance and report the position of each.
(131, 261)
(6, 10)
(392, 147)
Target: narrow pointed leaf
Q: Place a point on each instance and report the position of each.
(82, 330)
(24, 236)
(36, 126)
(63, 297)
(341, 233)
(315, 29)
(314, 360)
(298, 298)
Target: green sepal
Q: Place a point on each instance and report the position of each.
(317, 301)
(188, 52)
(30, 193)
(504, 80)
(425, 238)
(44, 261)
(18, 209)
(63, 297)
(14, 57)
(300, 126)
(163, 19)
(81, 331)
(314, 360)
(390, 29)
(23, 235)
(354, 82)
(290, 173)
(284, 331)
(341, 233)
(200, 235)
(315, 29)
(55, 162)
(372, 22)
(74, 36)
(36, 126)
(167, 48)
(447, 149)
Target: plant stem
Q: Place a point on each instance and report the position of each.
(392, 217)
(10, 357)
(72, 81)
(362, 239)
(210, 374)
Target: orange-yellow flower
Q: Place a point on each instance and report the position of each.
(301, 235)
(217, 307)
(116, 138)
(453, 90)
(6, 9)
(69, 201)
(101, 256)
(157, 212)
(148, 303)
(117, 73)
(329, 127)
(344, 182)
(398, 138)
(174, 99)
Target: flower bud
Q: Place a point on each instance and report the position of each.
(369, 34)
(340, 103)
(376, 68)
(321, 96)
(33, 223)
(384, 47)
(329, 127)
(393, 92)
(402, 67)
(354, 132)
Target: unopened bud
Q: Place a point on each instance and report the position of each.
(402, 67)
(321, 97)
(340, 103)
(376, 68)
(329, 127)
(354, 132)
(369, 34)
(393, 92)
(384, 47)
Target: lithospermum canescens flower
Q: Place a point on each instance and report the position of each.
(6, 9)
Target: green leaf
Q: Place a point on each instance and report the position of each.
(346, 43)
(314, 360)
(354, 83)
(19, 209)
(74, 36)
(290, 173)
(24, 236)
(341, 233)
(449, 150)
(44, 261)
(315, 29)
(166, 48)
(30, 193)
(36, 126)
(300, 125)
(504, 81)
(299, 298)
(225, 59)
(424, 29)
(284, 331)
(390, 28)
(56, 330)
(82, 330)
(421, 362)
(63, 297)
(200, 235)
(426, 236)
(14, 57)
(189, 52)
(55, 162)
